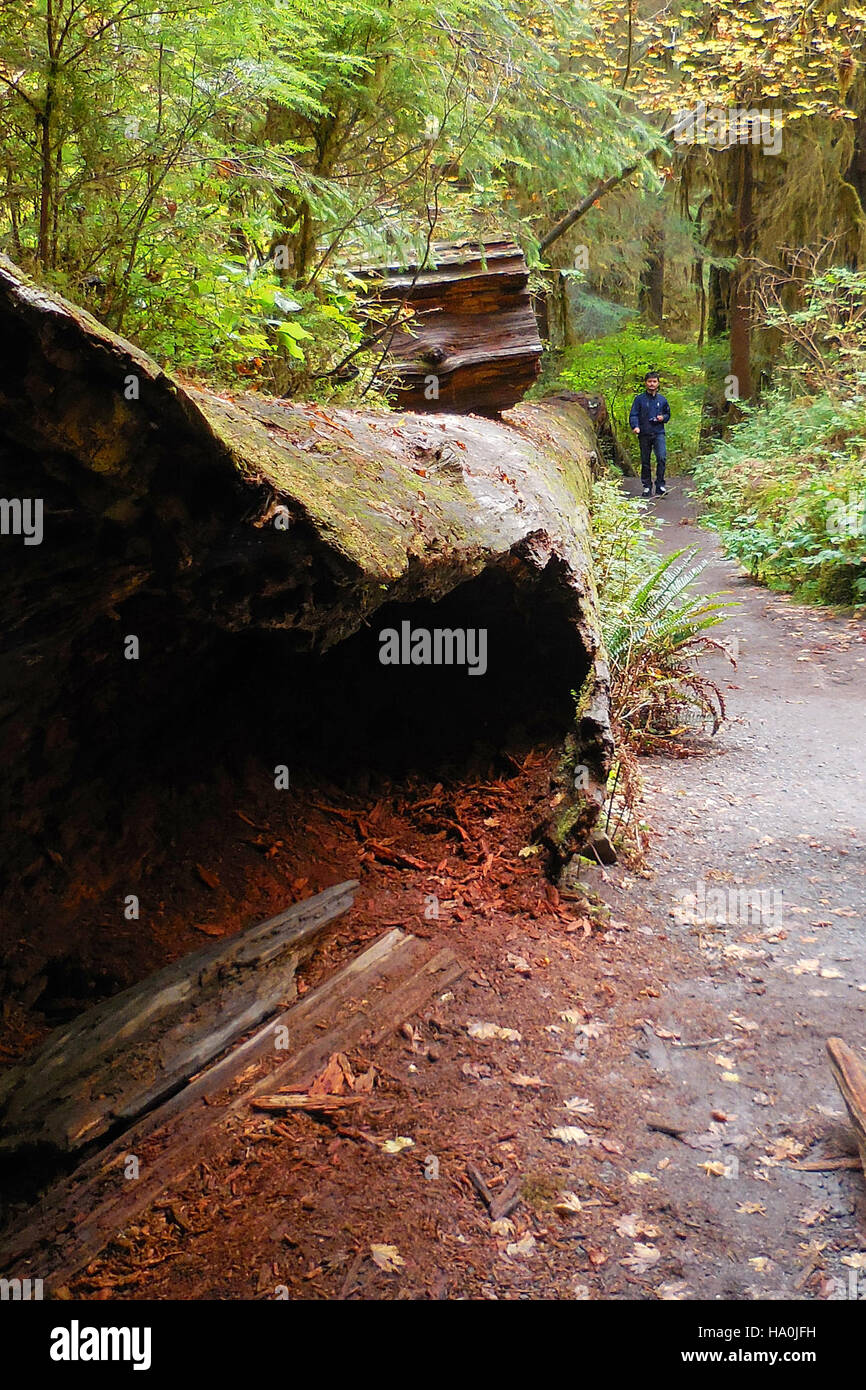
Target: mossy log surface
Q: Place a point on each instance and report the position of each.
(181, 515)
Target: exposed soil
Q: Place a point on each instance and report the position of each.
(678, 1042)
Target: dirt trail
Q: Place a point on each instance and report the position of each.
(777, 807)
(647, 1024)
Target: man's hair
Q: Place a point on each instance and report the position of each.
(650, 375)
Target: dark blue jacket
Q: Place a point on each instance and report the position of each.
(644, 408)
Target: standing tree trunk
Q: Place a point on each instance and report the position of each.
(651, 297)
(717, 308)
(46, 185)
(46, 152)
(702, 301)
(740, 301)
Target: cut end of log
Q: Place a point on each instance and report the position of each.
(473, 344)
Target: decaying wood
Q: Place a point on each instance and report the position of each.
(825, 1165)
(506, 1201)
(473, 344)
(479, 1184)
(195, 521)
(362, 1003)
(288, 1102)
(850, 1076)
(120, 1058)
(498, 1204)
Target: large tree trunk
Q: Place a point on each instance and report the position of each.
(717, 309)
(741, 297)
(651, 299)
(177, 522)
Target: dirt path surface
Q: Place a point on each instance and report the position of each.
(778, 808)
(667, 1072)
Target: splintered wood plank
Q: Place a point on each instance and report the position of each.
(361, 1005)
(119, 1059)
(850, 1076)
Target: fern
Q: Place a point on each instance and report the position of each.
(654, 625)
(652, 618)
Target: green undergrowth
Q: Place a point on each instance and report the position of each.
(614, 366)
(787, 493)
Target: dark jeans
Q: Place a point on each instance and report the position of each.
(646, 443)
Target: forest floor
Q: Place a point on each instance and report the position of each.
(668, 1080)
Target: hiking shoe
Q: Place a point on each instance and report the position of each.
(647, 492)
(661, 492)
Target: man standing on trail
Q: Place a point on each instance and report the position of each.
(650, 413)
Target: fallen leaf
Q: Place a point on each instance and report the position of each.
(591, 1030)
(570, 1134)
(642, 1258)
(521, 1248)
(579, 1105)
(715, 1168)
(673, 1292)
(387, 1257)
(396, 1146)
(485, 1032)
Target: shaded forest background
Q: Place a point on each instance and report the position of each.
(209, 179)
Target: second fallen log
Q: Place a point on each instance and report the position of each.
(116, 1060)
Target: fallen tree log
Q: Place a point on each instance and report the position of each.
(850, 1076)
(123, 1056)
(174, 522)
(473, 344)
(359, 1006)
